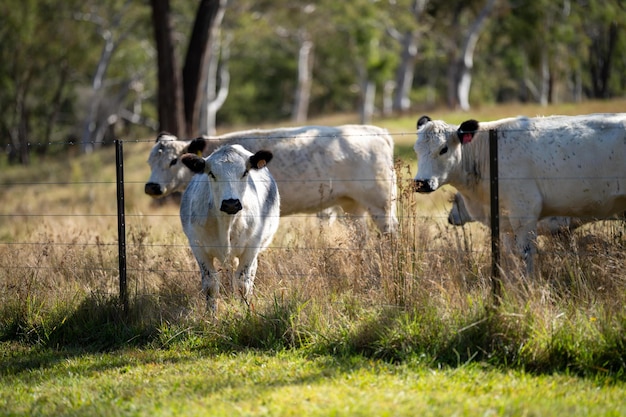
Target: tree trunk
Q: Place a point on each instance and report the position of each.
(214, 98)
(210, 13)
(601, 54)
(55, 105)
(88, 142)
(544, 97)
(369, 94)
(388, 88)
(303, 91)
(466, 63)
(405, 72)
(408, 57)
(19, 137)
(170, 98)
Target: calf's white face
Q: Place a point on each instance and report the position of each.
(438, 151)
(167, 173)
(227, 171)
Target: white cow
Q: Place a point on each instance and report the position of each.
(316, 167)
(552, 166)
(229, 213)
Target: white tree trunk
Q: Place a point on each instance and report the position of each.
(408, 56)
(88, 140)
(369, 94)
(466, 63)
(213, 99)
(405, 72)
(303, 91)
(388, 88)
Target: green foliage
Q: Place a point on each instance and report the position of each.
(51, 50)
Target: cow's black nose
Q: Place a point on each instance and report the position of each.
(231, 206)
(422, 186)
(152, 188)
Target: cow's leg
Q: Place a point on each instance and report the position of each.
(210, 285)
(385, 219)
(357, 214)
(526, 241)
(382, 212)
(244, 277)
(209, 278)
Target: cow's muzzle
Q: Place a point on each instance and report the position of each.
(231, 206)
(153, 189)
(422, 186)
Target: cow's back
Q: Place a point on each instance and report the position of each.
(318, 166)
(575, 165)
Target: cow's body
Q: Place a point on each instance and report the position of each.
(553, 166)
(316, 167)
(229, 212)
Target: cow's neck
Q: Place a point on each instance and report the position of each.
(474, 165)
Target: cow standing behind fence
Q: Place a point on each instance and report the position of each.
(548, 166)
(230, 212)
(316, 167)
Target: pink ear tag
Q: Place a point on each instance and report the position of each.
(466, 138)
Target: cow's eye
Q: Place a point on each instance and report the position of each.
(211, 175)
(444, 150)
(173, 161)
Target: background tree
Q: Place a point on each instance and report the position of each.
(169, 83)
(407, 30)
(33, 92)
(89, 71)
(180, 93)
(604, 29)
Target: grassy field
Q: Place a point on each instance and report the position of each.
(156, 382)
(340, 325)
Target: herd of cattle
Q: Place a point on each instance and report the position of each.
(554, 172)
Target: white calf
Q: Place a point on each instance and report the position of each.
(229, 212)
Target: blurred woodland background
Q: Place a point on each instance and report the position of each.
(86, 72)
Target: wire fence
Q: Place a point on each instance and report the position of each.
(121, 245)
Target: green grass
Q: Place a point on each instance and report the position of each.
(197, 382)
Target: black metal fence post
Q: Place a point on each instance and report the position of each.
(121, 223)
(496, 283)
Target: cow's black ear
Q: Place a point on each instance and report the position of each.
(260, 159)
(422, 121)
(467, 130)
(197, 146)
(193, 162)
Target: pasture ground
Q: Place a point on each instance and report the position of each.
(192, 382)
(341, 325)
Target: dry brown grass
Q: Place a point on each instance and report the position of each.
(431, 282)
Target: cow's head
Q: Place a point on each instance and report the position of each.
(167, 174)
(438, 151)
(459, 215)
(228, 169)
